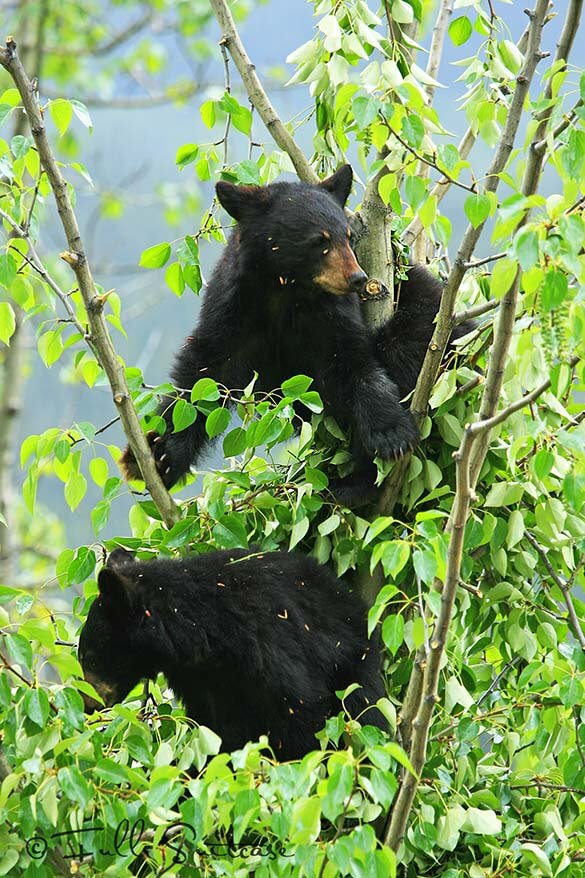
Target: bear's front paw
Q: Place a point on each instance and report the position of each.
(394, 440)
(129, 465)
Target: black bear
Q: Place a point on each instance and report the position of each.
(251, 642)
(283, 301)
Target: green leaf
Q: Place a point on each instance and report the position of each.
(7, 322)
(571, 692)
(305, 822)
(5, 110)
(537, 856)
(425, 565)
(555, 289)
(526, 248)
(393, 632)
(413, 130)
(296, 386)
(174, 278)
(36, 705)
(82, 114)
(100, 515)
(477, 209)
(155, 257)
(184, 414)
(186, 154)
(503, 274)
(207, 111)
(217, 421)
(75, 490)
(235, 442)
(20, 650)
(482, 822)
(7, 269)
(74, 785)
(460, 30)
(205, 390)
(61, 113)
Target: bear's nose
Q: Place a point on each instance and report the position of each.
(357, 281)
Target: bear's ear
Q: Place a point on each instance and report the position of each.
(339, 184)
(120, 558)
(117, 594)
(242, 201)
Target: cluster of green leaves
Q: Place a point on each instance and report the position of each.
(152, 786)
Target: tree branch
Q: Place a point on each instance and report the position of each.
(428, 662)
(476, 311)
(444, 323)
(504, 324)
(258, 97)
(100, 337)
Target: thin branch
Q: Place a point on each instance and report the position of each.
(439, 190)
(228, 120)
(477, 262)
(437, 43)
(567, 120)
(564, 587)
(35, 262)
(430, 664)
(475, 311)
(94, 304)
(507, 312)
(256, 93)
(431, 162)
(443, 328)
(444, 322)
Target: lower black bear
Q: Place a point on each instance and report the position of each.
(252, 643)
(283, 301)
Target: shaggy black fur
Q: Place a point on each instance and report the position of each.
(252, 643)
(283, 301)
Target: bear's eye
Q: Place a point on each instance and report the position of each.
(320, 238)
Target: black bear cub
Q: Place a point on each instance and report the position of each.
(252, 643)
(284, 301)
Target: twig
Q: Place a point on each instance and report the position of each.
(94, 304)
(494, 684)
(256, 92)
(35, 262)
(563, 586)
(477, 262)
(228, 120)
(475, 311)
(431, 162)
(439, 190)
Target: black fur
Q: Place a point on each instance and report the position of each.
(282, 301)
(252, 643)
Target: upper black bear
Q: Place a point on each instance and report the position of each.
(252, 643)
(283, 301)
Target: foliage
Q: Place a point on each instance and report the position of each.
(503, 786)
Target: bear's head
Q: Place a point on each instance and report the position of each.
(296, 235)
(107, 644)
